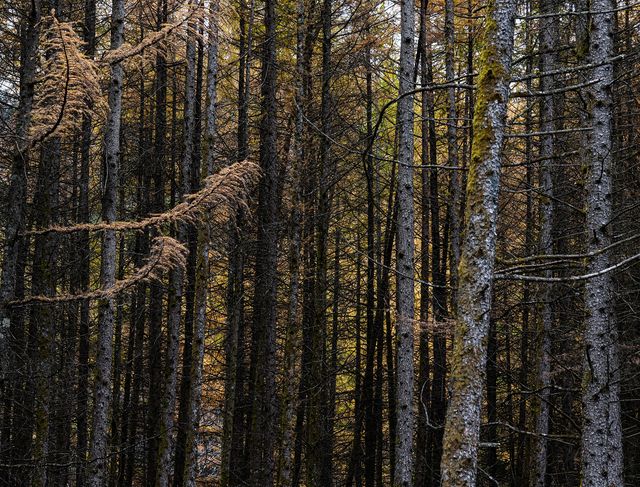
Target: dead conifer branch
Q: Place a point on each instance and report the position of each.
(69, 85)
(166, 254)
(220, 195)
(155, 42)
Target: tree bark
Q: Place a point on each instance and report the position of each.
(264, 323)
(104, 353)
(12, 332)
(460, 452)
(548, 43)
(405, 248)
(602, 435)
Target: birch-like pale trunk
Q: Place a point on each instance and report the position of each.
(104, 344)
(602, 434)
(548, 43)
(476, 270)
(405, 247)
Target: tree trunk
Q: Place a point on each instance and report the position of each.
(460, 450)
(104, 353)
(84, 249)
(439, 297)
(548, 42)
(264, 323)
(12, 332)
(424, 383)
(452, 148)
(405, 294)
(602, 434)
(295, 235)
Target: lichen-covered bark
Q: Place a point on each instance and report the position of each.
(460, 450)
(104, 345)
(602, 434)
(452, 147)
(405, 295)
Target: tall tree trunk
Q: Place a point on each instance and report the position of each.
(187, 476)
(405, 294)
(295, 235)
(167, 406)
(12, 333)
(439, 297)
(82, 435)
(368, 379)
(42, 318)
(602, 434)
(264, 322)
(452, 148)
(424, 383)
(548, 43)
(461, 436)
(318, 456)
(104, 352)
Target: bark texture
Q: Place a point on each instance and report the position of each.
(405, 247)
(104, 353)
(602, 435)
(460, 449)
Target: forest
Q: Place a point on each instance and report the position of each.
(319, 243)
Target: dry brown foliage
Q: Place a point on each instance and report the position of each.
(158, 42)
(166, 254)
(213, 204)
(68, 86)
(221, 193)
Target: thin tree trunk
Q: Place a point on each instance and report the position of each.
(452, 148)
(523, 456)
(405, 248)
(548, 43)
(165, 441)
(295, 243)
(368, 380)
(43, 317)
(318, 458)
(82, 435)
(104, 353)
(424, 385)
(11, 319)
(439, 297)
(461, 437)
(187, 476)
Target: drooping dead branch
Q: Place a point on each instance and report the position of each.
(69, 85)
(166, 254)
(220, 194)
(154, 43)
